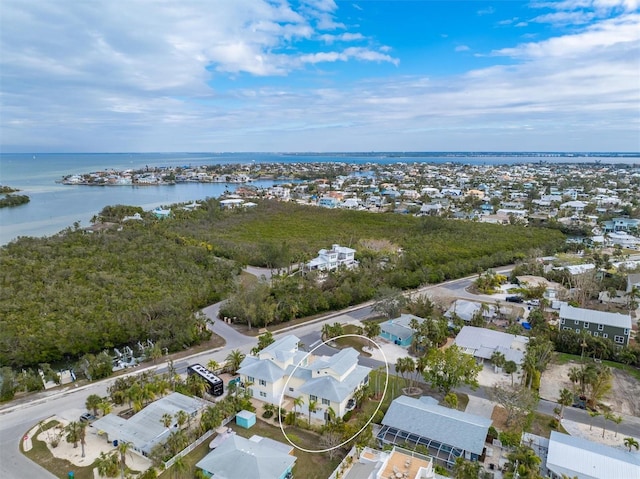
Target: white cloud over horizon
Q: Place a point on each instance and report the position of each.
(165, 76)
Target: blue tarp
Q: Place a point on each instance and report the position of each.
(526, 325)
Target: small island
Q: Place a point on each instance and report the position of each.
(9, 199)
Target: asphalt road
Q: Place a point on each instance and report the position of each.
(17, 417)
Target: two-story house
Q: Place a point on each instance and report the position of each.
(280, 371)
(328, 260)
(613, 326)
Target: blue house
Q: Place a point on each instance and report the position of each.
(620, 224)
(398, 331)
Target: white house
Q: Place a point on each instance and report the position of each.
(623, 239)
(570, 456)
(329, 382)
(481, 343)
(337, 256)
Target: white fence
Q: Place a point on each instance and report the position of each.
(189, 448)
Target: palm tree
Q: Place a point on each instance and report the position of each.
(631, 442)
(179, 467)
(92, 403)
(313, 407)
(73, 433)
(566, 399)
(82, 434)
(197, 385)
(166, 419)
(107, 465)
(297, 402)
(617, 420)
(105, 406)
(181, 418)
(123, 448)
(510, 367)
(331, 415)
(213, 365)
(498, 359)
(406, 367)
(592, 414)
(372, 329)
(234, 359)
(523, 464)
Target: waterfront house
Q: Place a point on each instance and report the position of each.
(446, 433)
(329, 382)
(161, 213)
(614, 326)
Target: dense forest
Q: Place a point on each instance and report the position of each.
(70, 294)
(74, 293)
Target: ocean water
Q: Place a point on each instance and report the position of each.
(54, 207)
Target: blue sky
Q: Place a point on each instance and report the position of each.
(320, 75)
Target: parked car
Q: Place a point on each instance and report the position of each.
(87, 417)
(514, 299)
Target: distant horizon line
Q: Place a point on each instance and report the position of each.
(559, 153)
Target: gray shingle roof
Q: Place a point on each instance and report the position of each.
(240, 458)
(448, 426)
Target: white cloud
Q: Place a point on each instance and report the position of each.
(462, 48)
(344, 37)
(161, 76)
(486, 11)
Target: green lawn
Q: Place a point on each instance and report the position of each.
(353, 342)
(564, 358)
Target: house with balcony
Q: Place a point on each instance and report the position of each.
(282, 371)
(328, 260)
(613, 326)
(620, 224)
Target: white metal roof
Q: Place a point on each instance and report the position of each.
(592, 316)
(584, 459)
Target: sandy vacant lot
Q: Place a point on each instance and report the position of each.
(94, 446)
(623, 397)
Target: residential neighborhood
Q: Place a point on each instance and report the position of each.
(485, 373)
